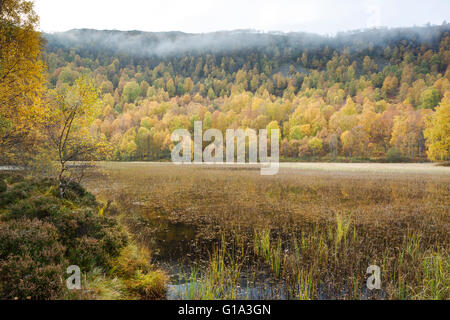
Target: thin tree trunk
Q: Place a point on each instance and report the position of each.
(61, 182)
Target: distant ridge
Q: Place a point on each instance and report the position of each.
(142, 43)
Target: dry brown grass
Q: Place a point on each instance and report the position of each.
(326, 226)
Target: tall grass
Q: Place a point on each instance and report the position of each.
(218, 280)
(305, 284)
(435, 281)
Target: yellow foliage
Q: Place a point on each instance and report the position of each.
(437, 131)
(21, 76)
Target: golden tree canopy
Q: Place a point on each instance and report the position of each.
(21, 74)
(437, 131)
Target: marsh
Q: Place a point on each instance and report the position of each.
(309, 232)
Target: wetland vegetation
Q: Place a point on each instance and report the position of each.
(227, 232)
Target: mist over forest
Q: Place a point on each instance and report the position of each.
(147, 44)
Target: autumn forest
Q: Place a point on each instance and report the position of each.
(367, 95)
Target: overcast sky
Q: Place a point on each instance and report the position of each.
(318, 16)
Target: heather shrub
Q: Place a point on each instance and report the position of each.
(91, 240)
(90, 251)
(31, 260)
(40, 207)
(42, 234)
(85, 252)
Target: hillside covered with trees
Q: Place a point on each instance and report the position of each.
(360, 95)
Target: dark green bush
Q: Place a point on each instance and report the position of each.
(394, 155)
(85, 252)
(76, 193)
(31, 260)
(77, 229)
(3, 186)
(91, 240)
(13, 177)
(40, 206)
(15, 193)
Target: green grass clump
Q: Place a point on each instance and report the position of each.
(435, 281)
(305, 285)
(140, 279)
(271, 254)
(219, 280)
(131, 259)
(97, 285)
(150, 285)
